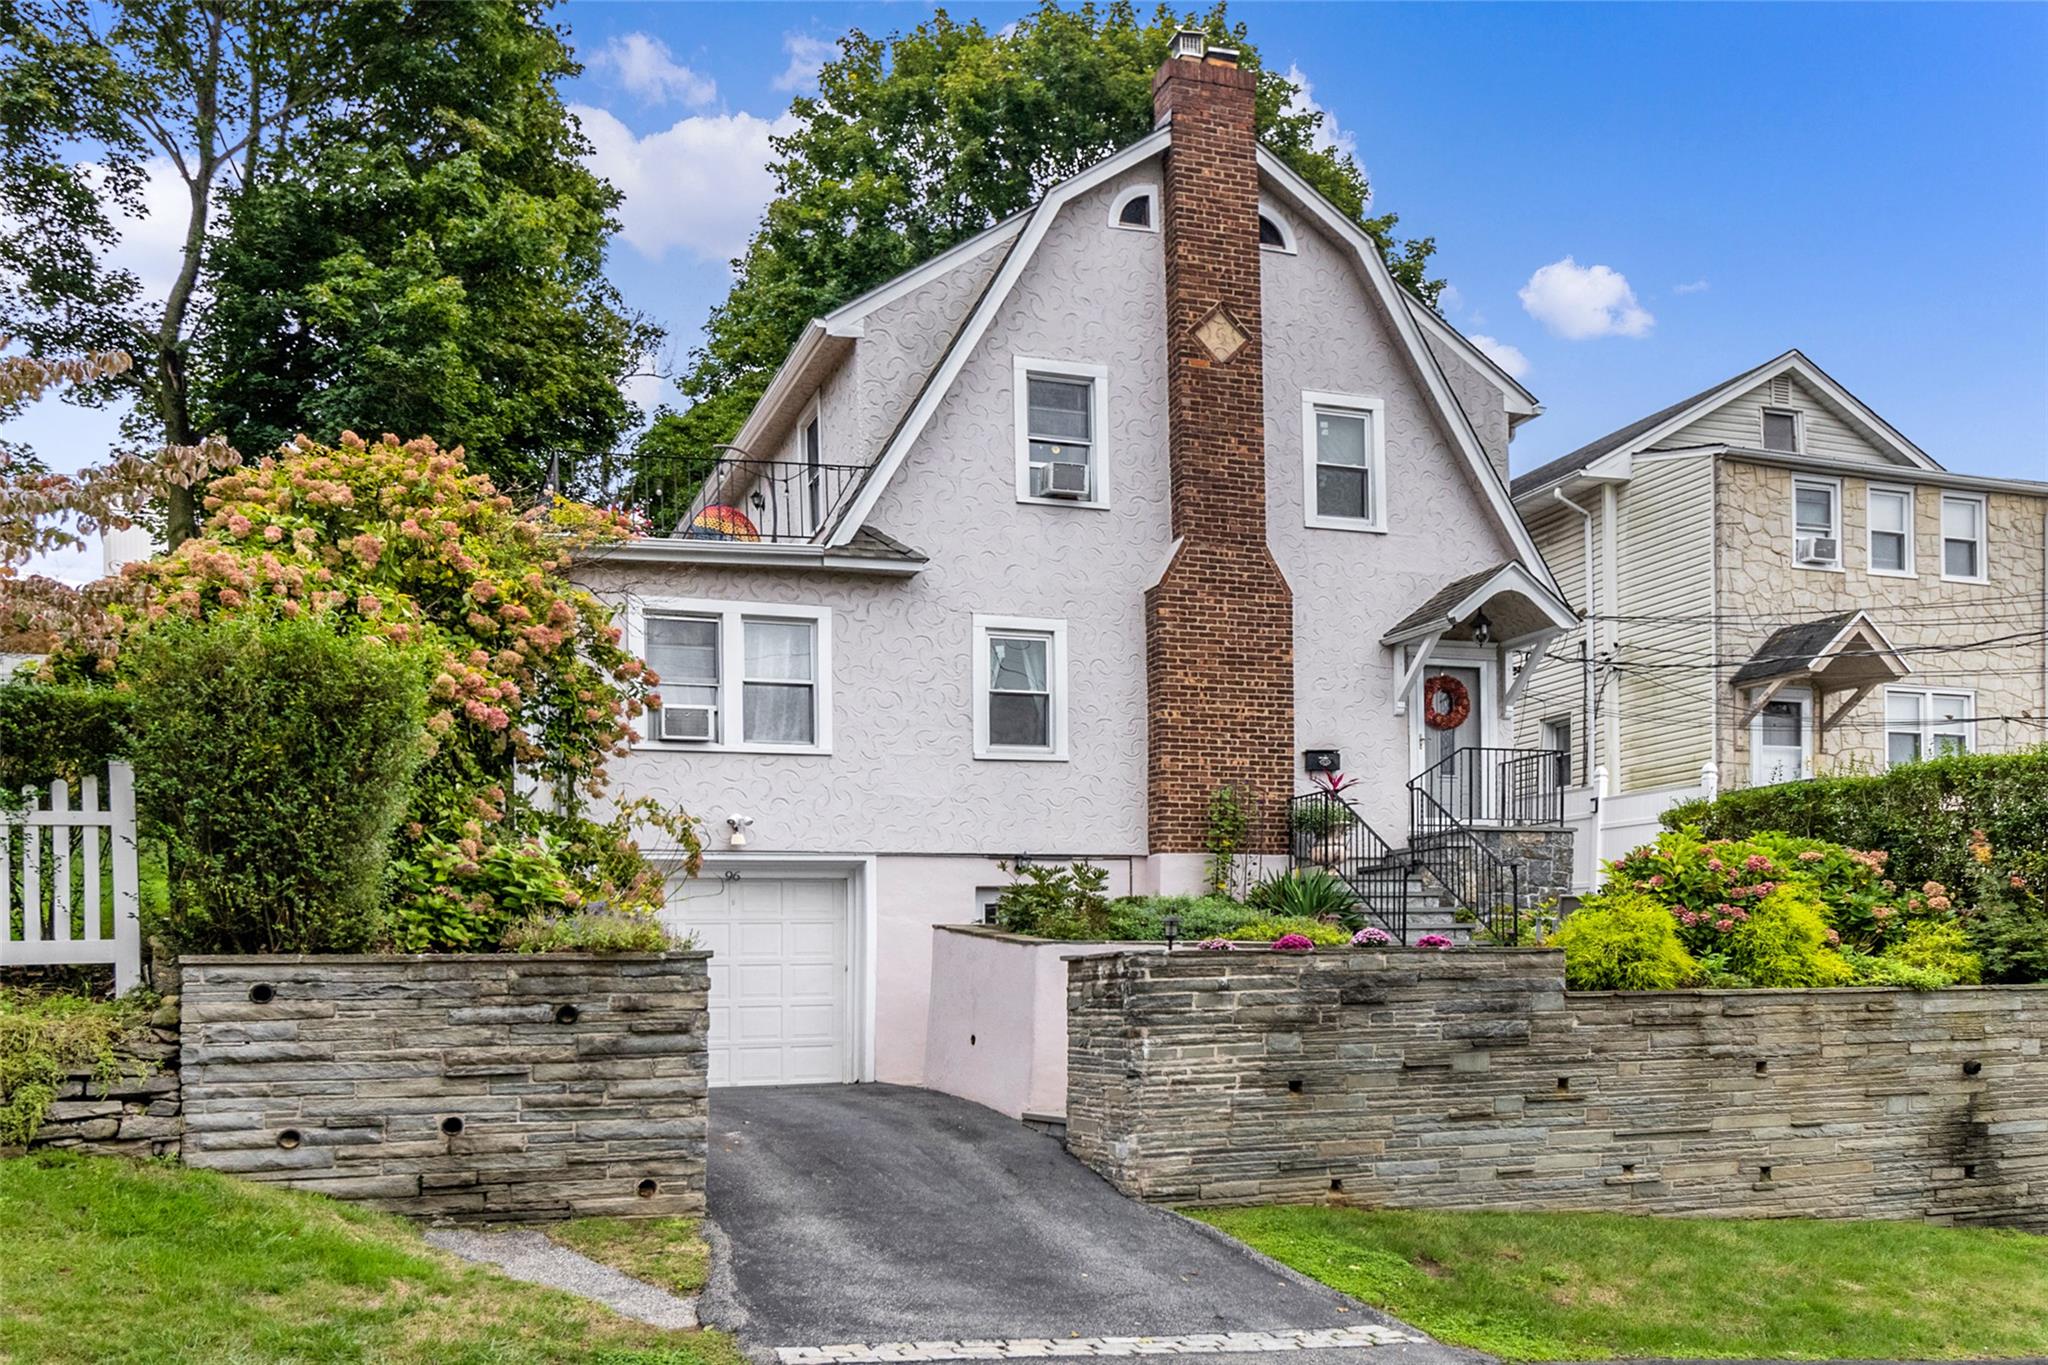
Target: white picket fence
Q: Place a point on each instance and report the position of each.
(68, 882)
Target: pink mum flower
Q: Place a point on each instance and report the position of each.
(1293, 943)
(1436, 941)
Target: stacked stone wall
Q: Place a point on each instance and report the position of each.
(131, 1109)
(1474, 1080)
(472, 1087)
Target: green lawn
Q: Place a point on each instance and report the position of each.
(104, 1260)
(662, 1251)
(1576, 1286)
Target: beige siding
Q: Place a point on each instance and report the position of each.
(1559, 687)
(1665, 640)
(1739, 422)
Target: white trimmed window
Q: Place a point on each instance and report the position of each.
(1782, 430)
(1062, 419)
(1926, 724)
(1962, 537)
(1275, 232)
(748, 677)
(1136, 209)
(1817, 523)
(1343, 453)
(1020, 688)
(1891, 531)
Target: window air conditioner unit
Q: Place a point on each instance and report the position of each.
(688, 724)
(1059, 481)
(1819, 549)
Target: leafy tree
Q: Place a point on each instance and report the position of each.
(385, 221)
(915, 143)
(426, 254)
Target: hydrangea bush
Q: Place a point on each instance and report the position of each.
(530, 690)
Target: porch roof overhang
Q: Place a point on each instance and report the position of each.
(1844, 652)
(1520, 605)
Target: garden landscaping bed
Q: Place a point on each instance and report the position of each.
(1581, 1286)
(117, 1261)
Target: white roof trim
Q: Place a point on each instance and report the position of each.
(1521, 580)
(739, 554)
(1394, 300)
(1520, 402)
(969, 336)
(854, 310)
(1792, 362)
(1861, 621)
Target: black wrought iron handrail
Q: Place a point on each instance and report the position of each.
(767, 501)
(1488, 886)
(1328, 833)
(1482, 786)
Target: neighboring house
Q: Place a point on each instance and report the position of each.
(1782, 585)
(1146, 492)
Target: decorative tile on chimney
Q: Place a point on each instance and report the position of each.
(1219, 625)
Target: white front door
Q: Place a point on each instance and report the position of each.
(779, 985)
(1456, 782)
(1781, 739)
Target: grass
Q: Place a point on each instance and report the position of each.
(662, 1251)
(114, 1261)
(1577, 1286)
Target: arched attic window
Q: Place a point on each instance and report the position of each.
(1133, 209)
(1273, 233)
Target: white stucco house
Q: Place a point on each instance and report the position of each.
(1162, 485)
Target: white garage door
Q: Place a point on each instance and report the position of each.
(778, 973)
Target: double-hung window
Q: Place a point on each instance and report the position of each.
(1891, 531)
(739, 676)
(1962, 537)
(1344, 461)
(1020, 688)
(1061, 415)
(1817, 523)
(1926, 724)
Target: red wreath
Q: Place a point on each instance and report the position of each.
(1457, 702)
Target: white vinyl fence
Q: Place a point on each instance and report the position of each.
(68, 890)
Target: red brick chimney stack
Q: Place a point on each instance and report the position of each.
(1219, 625)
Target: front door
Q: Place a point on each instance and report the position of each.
(1455, 779)
(1781, 740)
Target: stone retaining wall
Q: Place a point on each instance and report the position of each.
(1475, 1080)
(472, 1086)
(134, 1113)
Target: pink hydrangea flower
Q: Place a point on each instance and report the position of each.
(1812, 855)
(1757, 862)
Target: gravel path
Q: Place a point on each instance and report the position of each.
(528, 1255)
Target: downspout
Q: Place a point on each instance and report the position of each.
(1610, 632)
(1590, 721)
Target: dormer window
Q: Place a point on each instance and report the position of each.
(1132, 210)
(1781, 430)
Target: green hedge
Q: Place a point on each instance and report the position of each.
(49, 730)
(1920, 813)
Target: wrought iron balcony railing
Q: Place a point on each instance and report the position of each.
(761, 501)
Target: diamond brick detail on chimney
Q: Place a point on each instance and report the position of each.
(1219, 624)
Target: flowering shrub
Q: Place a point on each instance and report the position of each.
(1372, 936)
(1435, 941)
(1293, 943)
(1783, 941)
(401, 545)
(1712, 886)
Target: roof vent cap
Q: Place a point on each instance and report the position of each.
(1190, 43)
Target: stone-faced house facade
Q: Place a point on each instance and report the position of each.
(1149, 491)
(1782, 585)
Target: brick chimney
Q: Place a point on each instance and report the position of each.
(1219, 626)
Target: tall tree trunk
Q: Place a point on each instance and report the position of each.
(174, 394)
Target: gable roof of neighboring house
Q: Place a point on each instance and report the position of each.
(1023, 236)
(1645, 433)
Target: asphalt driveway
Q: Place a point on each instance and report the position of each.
(882, 1214)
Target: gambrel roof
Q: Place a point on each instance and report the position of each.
(827, 340)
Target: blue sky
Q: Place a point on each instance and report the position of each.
(1868, 183)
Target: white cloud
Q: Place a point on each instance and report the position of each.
(1450, 300)
(1699, 286)
(646, 67)
(699, 185)
(1579, 302)
(806, 55)
(1509, 358)
(1302, 101)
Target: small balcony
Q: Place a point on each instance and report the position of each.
(767, 502)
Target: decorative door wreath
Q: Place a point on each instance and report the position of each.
(1446, 702)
